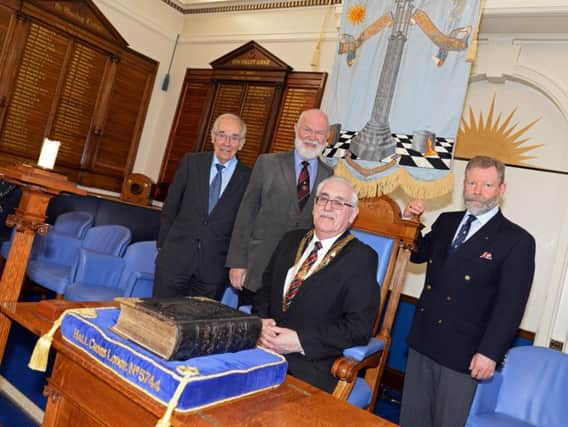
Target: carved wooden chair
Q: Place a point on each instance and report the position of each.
(379, 224)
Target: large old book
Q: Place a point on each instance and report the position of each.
(181, 328)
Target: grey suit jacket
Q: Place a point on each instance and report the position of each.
(268, 210)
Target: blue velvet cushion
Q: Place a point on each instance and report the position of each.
(218, 377)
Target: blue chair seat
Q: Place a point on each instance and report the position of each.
(59, 250)
(496, 420)
(103, 277)
(58, 276)
(360, 395)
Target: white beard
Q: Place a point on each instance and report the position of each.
(308, 153)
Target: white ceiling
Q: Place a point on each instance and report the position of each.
(500, 16)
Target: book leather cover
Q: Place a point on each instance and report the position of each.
(181, 328)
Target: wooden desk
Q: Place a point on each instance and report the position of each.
(83, 393)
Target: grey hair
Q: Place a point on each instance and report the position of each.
(354, 196)
(312, 110)
(229, 116)
(486, 162)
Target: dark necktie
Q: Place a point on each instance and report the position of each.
(303, 186)
(462, 233)
(215, 187)
(300, 276)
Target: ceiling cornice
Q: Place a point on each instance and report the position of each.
(245, 6)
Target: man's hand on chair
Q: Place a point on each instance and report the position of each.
(415, 208)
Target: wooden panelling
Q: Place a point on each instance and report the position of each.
(252, 83)
(31, 103)
(66, 74)
(117, 139)
(74, 114)
(303, 91)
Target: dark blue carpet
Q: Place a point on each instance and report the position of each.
(12, 416)
(388, 405)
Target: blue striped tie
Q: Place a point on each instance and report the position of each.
(462, 234)
(215, 188)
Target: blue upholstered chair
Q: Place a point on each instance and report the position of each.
(531, 390)
(53, 266)
(379, 225)
(73, 224)
(103, 277)
(230, 297)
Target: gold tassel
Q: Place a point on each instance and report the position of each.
(38, 360)
(188, 373)
(315, 62)
(472, 49)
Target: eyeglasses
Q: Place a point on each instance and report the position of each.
(321, 133)
(338, 205)
(222, 136)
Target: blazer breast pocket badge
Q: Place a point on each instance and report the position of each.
(487, 255)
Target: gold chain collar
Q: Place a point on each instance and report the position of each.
(336, 248)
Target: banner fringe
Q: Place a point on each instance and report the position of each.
(400, 178)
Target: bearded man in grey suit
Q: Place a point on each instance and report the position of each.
(279, 198)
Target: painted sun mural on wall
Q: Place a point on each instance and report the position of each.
(490, 135)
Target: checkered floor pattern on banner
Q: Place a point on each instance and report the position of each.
(408, 156)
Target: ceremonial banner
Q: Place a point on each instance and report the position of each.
(397, 90)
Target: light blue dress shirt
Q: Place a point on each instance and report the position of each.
(480, 221)
(226, 174)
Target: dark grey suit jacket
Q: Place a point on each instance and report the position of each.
(191, 240)
(474, 298)
(268, 210)
(334, 309)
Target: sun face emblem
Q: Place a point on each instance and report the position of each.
(356, 14)
(493, 138)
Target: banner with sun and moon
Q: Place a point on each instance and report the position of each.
(401, 70)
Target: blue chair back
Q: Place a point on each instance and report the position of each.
(108, 239)
(75, 223)
(531, 389)
(140, 257)
(383, 246)
(230, 297)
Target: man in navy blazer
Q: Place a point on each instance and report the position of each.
(198, 216)
(335, 305)
(478, 279)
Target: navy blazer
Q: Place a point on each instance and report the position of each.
(473, 298)
(335, 308)
(190, 237)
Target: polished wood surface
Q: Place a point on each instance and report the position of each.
(83, 393)
(38, 187)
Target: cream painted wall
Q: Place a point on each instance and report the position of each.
(526, 66)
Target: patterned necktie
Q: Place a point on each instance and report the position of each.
(462, 233)
(215, 188)
(303, 186)
(300, 276)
